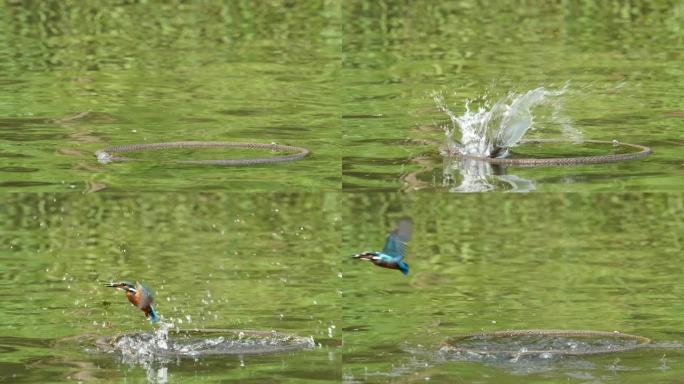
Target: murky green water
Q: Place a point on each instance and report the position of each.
(266, 247)
(551, 261)
(621, 61)
(241, 71)
(264, 262)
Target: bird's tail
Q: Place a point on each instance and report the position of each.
(153, 315)
(403, 267)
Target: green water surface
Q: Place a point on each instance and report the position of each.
(265, 262)
(607, 262)
(267, 247)
(246, 71)
(621, 61)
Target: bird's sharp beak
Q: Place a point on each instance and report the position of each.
(112, 285)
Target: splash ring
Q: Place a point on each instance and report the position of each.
(196, 342)
(452, 344)
(107, 155)
(643, 151)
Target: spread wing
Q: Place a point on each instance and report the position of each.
(395, 244)
(145, 295)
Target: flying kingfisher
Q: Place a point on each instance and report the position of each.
(138, 295)
(392, 255)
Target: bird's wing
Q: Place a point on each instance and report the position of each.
(385, 259)
(395, 244)
(145, 295)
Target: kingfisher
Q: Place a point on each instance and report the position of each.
(392, 254)
(139, 295)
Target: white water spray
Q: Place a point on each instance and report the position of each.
(492, 129)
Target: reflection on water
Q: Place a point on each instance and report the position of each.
(480, 176)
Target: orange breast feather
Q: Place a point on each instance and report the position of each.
(133, 297)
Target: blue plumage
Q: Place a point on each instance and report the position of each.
(394, 251)
(138, 295)
(153, 315)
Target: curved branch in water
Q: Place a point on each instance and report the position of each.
(562, 161)
(106, 155)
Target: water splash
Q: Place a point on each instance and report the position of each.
(534, 346)
(144, 346)
(480, 176)
(491, 129)
(155, 351)
(103, 157)
(168, 343)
